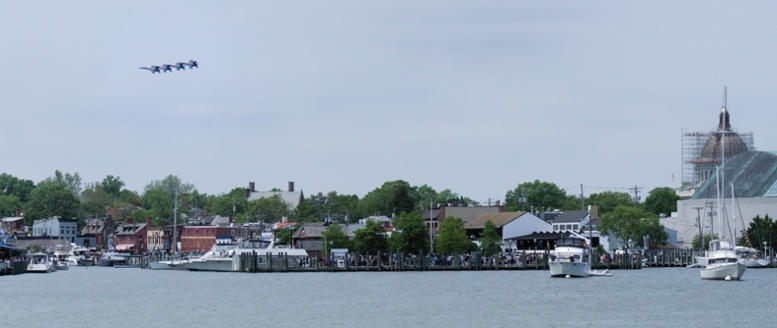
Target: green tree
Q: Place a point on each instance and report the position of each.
(490, 242)
(662, 200)
(52, 197)
(9, 204)
(707, 239)
(632, 223)
(572, 203)
(453, 238)
(411, 235)
(538, 194)
(283, 236)
(371, 239)
(762, 230)
(13, 186)
(266, 210)
(159, 196)
(391, 198)
(607, 201)
(335, 238)
(423, 194)
(234, 202)
(112, 185)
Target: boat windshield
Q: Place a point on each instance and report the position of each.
(721, 245)
(254, 244)
(570, 242)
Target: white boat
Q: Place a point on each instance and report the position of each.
(723, 262)
(60, 258)
(41, 263)
(161, 265)
(224, 257)
(699, 261)
(79, 255)
(751, 257)
(111, 259)
(570, 259)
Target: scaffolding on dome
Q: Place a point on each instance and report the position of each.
(693, 164)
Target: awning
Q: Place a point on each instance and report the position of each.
(8, 247)
(124, 247)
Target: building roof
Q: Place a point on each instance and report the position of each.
(129, 229)
(316, 229)
(574, 216)
(499, 219)
(293, 198)
(753, 174)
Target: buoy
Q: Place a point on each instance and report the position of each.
(568, 276)
(728, 278)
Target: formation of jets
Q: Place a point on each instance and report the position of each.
(169, 68)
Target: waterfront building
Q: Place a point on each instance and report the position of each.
(60, 228)
(131, 236)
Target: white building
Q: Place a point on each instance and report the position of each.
(56, 227)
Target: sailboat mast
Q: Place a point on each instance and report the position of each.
(721, 174)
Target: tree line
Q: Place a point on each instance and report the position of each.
(65, 195)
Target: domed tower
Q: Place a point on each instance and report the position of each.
(724, 142)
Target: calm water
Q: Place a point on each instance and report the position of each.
(98, 297)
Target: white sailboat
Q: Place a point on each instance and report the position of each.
(722, 261)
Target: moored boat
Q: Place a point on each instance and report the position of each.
(723, 263)
(570, 258)
(224, 257)
(40, 263)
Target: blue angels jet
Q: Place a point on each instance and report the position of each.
(153, 69)
(169, 68)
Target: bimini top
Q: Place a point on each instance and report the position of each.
(753, 173)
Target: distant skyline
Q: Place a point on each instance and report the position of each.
(475, 97)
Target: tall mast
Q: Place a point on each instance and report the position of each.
(721, 175)
(174, 245)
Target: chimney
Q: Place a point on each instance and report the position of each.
(148, 222)
(291, 186)
(498, 203)
(129, 221)
(252, 186)
(593, 211)
(248, 193)
(18, 212)
(230, 219)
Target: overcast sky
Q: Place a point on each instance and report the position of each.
(472, 96)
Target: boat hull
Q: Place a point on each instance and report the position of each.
(221, 265)
(160, 265)
(562, 269)
(723, 271)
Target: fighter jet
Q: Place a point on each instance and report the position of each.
(192, 64)
(153, 69)
(180, 66)
(167, 68)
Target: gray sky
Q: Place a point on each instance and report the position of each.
(472, 96)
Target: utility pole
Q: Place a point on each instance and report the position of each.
(431, 232)
(582, 199)
(701, 228)
(636, 194)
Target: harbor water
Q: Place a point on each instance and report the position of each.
(652, 297)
